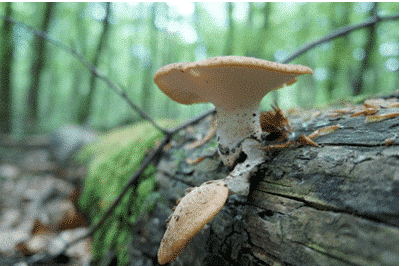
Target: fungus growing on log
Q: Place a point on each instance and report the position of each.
(193, 211)
(236, 86)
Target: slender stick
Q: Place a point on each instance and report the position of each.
(192, 121)
(335, 34)
(91, 68)
(134, 180)
(338, 33)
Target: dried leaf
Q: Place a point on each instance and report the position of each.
(304, 140)
(389, 141)
(339, 112)
(377, 103)
(197, 160)
(323, 131)
(279, 146)
(315, 114)
(275, 122)
(377, 118)
(367, 111)
(209, 135)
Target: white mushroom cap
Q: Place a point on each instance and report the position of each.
(194, 210)
(225, 81)
(235, 85)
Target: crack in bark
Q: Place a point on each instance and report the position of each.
(326, 254)
(321, 207)
(358, 144)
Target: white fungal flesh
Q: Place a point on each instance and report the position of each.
(233, 127)
(238, 180)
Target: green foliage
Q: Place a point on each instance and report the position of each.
(111, 162)
(145, 36)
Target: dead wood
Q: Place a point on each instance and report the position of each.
(336, 204)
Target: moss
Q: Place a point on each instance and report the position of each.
(111, 161)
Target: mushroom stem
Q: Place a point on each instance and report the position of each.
(238, 181)
(233, 127)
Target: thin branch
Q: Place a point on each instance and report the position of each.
(338, 33)
(134, 180)
(91, 68)
(335, 34)
(191, 121)
(171, 176)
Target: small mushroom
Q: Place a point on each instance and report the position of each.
(236, 86)
(194, 210)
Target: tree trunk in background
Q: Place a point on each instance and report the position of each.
(109, 96)
(340, 59)
(258, 41)
(6, 59)
(147, 76)
(367, 60)
(262, 39)
(268, 55)
(169, 56)
(38, 63)
(87, 103)
(80, 76)
(247, 43)
(229, 46)
(306, 97)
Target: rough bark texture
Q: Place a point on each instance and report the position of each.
(333, 205)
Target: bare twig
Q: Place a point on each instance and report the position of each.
(134, 180)
(338, 33)
(192, 121)
(335, 34)
(91, 68)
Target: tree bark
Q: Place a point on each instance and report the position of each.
(6, 55)
(38, 64)
(229, 45)
(371, 43)
(86, 107)
(146, 94)
(332, 205)
(341, 51)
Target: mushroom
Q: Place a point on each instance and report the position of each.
(236, 86)
(193, 211)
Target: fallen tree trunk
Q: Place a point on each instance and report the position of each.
(332, 205)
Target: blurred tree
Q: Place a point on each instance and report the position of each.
(169, 56)
(38, 63)
(306, 96)
(341, 52)
(161, 33)
(147, 76)
(76, 94)
(229, 46)
(6, 58)
(86, 104)
(366, 64)
(260, 38)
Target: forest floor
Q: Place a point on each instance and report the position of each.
(38, 206)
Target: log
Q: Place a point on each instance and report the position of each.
(336, 204)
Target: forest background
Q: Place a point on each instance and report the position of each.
(43, 86)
